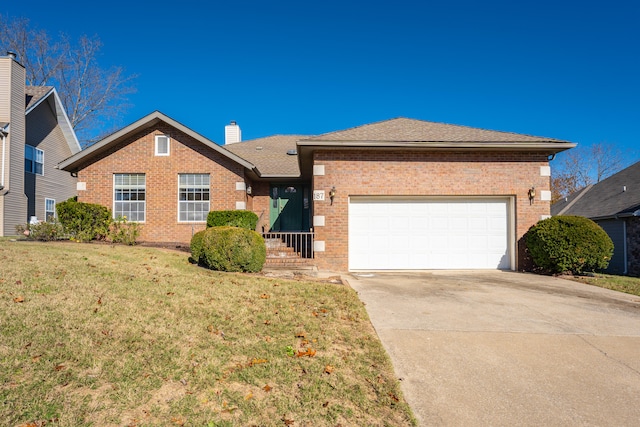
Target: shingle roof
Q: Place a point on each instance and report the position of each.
(617, 195)
(411, 130)
(269, 154)
(35, 94)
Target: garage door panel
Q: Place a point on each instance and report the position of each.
(428, 234)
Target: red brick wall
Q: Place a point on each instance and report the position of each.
(136, 155)
(423, 174)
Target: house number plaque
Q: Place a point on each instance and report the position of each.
(318, 195)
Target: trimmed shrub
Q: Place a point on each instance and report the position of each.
(84, 221)
(569, 243)
(242, 219)
(196, 247)
(229, 249)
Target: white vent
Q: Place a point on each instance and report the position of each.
(232, 133)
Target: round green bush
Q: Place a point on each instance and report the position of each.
(196, 246)
(569, 243)
(229, 249)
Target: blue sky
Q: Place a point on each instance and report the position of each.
(562, 69)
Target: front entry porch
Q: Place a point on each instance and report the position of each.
(289, 240)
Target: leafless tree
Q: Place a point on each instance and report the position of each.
(583, 166)
(93, 97)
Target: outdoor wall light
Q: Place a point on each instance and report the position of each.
(332, 194)
(532, 194)
(249, 190)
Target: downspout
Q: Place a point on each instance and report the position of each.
(624, 231)
(4, 131)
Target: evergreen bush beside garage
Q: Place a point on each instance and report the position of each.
(569, 243)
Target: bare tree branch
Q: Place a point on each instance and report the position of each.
(585, 165)
(93, 96)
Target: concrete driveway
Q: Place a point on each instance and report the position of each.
(503, 348)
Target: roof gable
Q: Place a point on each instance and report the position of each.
(86, 156)
(36, 95)
(617, 195)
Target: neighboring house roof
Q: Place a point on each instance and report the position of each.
(36, 95)
(274, 156)
(86, 156)
(616, 196)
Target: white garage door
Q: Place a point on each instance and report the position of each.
(388, 234)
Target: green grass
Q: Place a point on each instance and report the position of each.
(106, 335)
(629, 285)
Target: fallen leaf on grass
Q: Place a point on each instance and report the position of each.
(59, 367)
(267, 388)
(394, 397)
(267, 322)
(177, 421)
(328, 369)
(265, 296)
(301, 334)
(288, 422)
(325, 404)
(255, 361)
(36, 359)
(309, 353)
(18, 282)
(18, 299)
(249, 396)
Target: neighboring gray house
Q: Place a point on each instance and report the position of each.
(35, 135)
(614, 204)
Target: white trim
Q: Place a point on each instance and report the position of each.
(113, 195)
(45, 207)
(318, 170)
(318, 220)
(178, 199)
(545, 170)
(162, 154)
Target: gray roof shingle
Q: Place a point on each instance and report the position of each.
(617, 195)
(35, 94)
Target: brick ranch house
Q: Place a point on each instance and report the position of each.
(400, 194)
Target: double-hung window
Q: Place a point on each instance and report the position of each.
(33, 160)
(193, 197)
(49, 210)
(129, 196)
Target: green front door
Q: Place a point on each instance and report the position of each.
(286, 211)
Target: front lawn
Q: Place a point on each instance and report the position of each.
(629, 285)
(107, 335)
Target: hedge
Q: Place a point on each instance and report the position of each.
(242, 219)
(569, 244)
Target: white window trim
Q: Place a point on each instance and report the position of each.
(33, 161)
(157, 153)
(113, 195)
(178, 206)
(45, 208)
